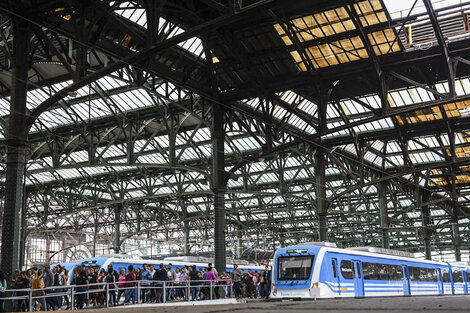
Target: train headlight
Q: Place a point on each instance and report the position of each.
(315, 285)
(274, 292)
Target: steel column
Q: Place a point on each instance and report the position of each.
(456, 237)
(16, 151)
(218, 185)
(187, 247)
(320, 192)
(239, 243)
(383, 211)
(425, 220)
(117, 228)
(323, 227)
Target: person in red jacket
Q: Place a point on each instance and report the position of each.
(130, 285)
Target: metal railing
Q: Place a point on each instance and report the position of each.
(153, 290)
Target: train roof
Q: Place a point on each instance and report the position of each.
(376, 254)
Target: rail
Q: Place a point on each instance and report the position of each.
(154, 290)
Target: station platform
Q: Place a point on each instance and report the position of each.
(389, 305)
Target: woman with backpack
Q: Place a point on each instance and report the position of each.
(110, 280)
(38, 283)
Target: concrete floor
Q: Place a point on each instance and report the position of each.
(390, 305)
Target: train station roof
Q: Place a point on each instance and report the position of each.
(380, 89)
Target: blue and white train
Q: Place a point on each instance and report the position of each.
(320, 270)
(123, 262)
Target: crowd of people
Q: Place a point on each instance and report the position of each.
(157, 284)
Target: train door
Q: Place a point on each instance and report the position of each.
(406, 281)
(336, 279)
(467, 276)
(440, 282)
(358, 279)
(465, 282)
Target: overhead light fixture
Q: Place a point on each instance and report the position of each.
(72, 94)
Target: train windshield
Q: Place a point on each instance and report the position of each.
(294, 267)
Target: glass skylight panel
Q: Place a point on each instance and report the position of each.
(78, 156)
(55, 118)
(394, 160)
(138, 16)
(331, 111)
(307, 106)
(188, 153)
(438, 212)
(279, 113)
(35, 97)
(109, 83)
(111, 151)
(246, 144)
(202, 134)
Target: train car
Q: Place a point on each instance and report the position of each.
(321, 270)
(120, 262)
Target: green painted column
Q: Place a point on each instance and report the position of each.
(218, 185)
(320, 192)
(16, 143)
(456, 237)
(117, 229)
(187, 246)
(239, 243)
(383, 212)
(426, 222)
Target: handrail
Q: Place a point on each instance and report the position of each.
(104, 287)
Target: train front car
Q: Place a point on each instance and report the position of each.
(293, 273)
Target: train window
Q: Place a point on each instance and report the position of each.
(445, 276)
(333, 266)
(457, 276)
(295, 267)
(468, 277)
(396, 272)
(347, 269)
(368, 270)
(422, 274)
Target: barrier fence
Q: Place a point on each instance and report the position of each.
(151, 289)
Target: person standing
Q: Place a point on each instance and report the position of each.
(183, 279)
(3, 287)
(269, 281)
(226, 281)
(146, 276)
(82, 282)
(193, 278)
(110, 280)
(262, 284)
(38, 283)
(49, 281)
(237, 276)
(59, 283)
(130, 285)
(210, 281)
(153, 291)
(171, 279)
(121, 284)
(160, 277)
(92, 279)
(22, 283)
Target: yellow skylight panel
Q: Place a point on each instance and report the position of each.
(370, 12)
(283, 35)
(309, 28)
